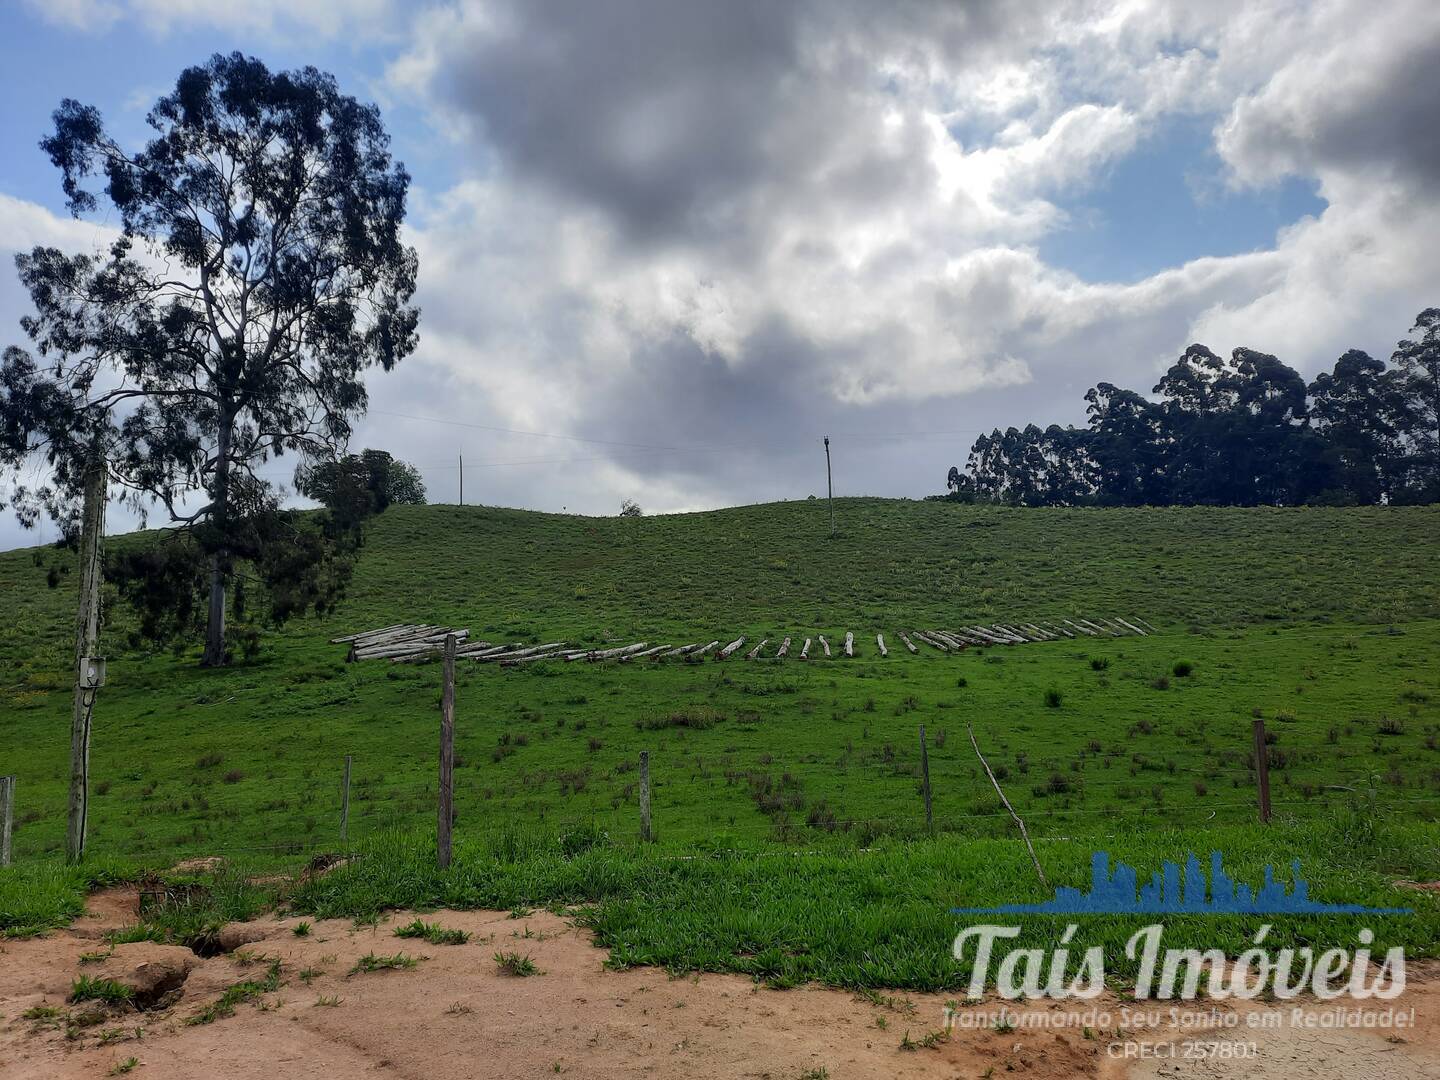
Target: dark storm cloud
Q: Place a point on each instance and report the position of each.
(697, 121)
(1367, 108)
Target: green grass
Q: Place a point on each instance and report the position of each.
(515, 965)
(797, 781)
(107, 991)
(371, 962)
(434, 933)
(1285, 611)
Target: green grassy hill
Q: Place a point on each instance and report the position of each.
(1323, 621)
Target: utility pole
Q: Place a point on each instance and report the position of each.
(830, 487)
(89, 669)
(462, 479)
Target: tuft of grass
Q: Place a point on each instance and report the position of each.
(239, 993)
(1053, 698)
(328, 1001)
(120, 1068)
(1182, 669)
(108, 991)
(371, 962)
(512, 963)
(302, 929)
(434, 933)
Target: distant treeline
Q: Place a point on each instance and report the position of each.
(1246, 431)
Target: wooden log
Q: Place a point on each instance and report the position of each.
(932, 642)
(784, 649)
(729, 650)
(445, 811)
(1021, 633)
(384, 652)
(805, 650)
(1045, 635)
(849, 643)
(824, 644)
(908, 643)
(1142, 622)
(1061, 630)
(756, 650)
(472, 651)
(434, 638)
(705, 649)
(1098, 628)
(925, 782)
(554, 654)
(1084, 630)
(1015, 636)
(516, 654)
(645, 832)
(956, 644)
(594, 655)
(681, 651)
(880, 644)
(1121, 629)
(986, 637)
(644, 652)
(964, 638)
(347, 638)
(394, 637)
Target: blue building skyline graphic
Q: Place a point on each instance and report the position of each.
(1168, 892)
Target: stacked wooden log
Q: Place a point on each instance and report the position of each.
(412, 643)
(401, 640)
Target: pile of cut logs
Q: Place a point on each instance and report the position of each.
(409, 643)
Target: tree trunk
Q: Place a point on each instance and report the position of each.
(87, 633)
(215, 655)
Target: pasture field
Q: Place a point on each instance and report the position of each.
(1324, 622)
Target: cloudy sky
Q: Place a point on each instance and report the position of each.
(667, 245)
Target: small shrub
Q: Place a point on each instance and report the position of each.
(1162, 683)
(234, 776)
(1053, 697)
(1099, 663)
(209, 761)
(370, 962)
(1182, 669)
(1390, 725)
(109, 991)
(511, 963)
(434, 933)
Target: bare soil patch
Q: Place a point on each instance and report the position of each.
(455, 1014)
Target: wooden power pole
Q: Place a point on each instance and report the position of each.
(88, 672)
(829, 488)
(462, 479)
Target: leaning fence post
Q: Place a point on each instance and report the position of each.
(7, 816)
(1262, 770)
(925, 782)
(645, 795)
(447, 756)
(345, 804)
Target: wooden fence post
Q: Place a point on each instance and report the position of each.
(447, 757)
(345, 804)
(645, 795)
(925, 782)
(1262, 770)
(7, 816)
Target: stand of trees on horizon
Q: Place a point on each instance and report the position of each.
(1242, 431)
